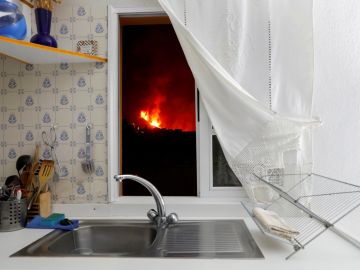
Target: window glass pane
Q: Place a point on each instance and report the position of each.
(158, 112)
(223, 176)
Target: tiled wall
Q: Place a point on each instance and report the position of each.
(35, 97)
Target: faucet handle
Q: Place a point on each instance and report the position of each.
(172, 218)
(152, 214)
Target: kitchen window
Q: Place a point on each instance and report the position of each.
(197, 164)
(157, 109)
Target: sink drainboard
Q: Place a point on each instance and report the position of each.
(203, 238)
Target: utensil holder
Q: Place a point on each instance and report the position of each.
(12, 215)
(42, 206)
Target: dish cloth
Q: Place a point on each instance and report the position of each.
(38, 223)
(273, 223)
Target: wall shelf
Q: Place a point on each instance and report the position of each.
(31, 53)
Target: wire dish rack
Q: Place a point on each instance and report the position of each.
(312, 206)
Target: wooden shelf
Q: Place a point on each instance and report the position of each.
(38, 54)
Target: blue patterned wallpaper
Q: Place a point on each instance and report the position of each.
(35, 97)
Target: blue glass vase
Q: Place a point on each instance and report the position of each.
(43, 25)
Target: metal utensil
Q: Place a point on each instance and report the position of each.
(32, 198)
(50, 139)
(88, 165)
(12, 183)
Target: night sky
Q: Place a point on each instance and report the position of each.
(156, 77)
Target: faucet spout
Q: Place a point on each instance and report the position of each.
(159, 216)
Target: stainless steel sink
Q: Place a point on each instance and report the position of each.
(111, 240)
(202, 239)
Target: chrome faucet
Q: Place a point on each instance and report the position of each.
(158, 217)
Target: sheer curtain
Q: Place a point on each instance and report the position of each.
(253, 64)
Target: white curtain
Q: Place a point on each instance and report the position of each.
(253, 64)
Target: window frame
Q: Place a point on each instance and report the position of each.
(205, 170)
(206, 190)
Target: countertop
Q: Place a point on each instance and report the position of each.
(329, 251)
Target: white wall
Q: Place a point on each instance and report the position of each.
(337, 90)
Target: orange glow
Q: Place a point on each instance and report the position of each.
(153, 119)
(144, 115)
(155, 123)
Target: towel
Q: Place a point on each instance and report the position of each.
(273, 223)
(38, 223)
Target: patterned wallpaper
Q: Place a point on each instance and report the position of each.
(35, 97)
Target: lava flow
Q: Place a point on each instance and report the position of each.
(153, 119)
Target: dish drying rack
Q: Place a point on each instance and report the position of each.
(311, 206)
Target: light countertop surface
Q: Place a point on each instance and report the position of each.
(329, 251)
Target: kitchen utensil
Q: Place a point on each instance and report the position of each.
(26, 177)
(50, 139)
(12, 181)
(30, 179)
(88, 165)
(18, 194)
(32, 198)
(45, 204)
(42, 206)
(50, 164)
(34, 184)
(12, 184)
(38, 167)
(45, 173)
(33, 211)
(37, 153)
(22, 162)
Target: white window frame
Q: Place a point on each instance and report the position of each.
(206, 189)
(205, 155)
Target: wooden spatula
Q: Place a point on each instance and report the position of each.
(45, 173)
(48, 173)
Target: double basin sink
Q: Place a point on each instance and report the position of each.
(114, 238)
